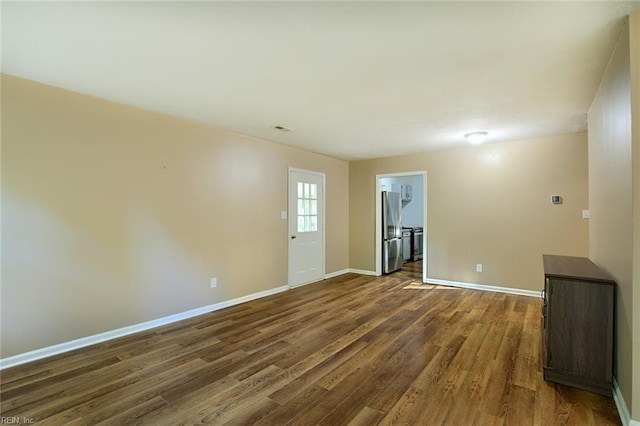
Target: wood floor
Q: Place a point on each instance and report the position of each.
(350, 350)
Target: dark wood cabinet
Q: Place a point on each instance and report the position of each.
(577, 332)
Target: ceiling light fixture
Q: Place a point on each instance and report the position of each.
(476, 137)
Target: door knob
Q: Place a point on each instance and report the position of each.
(293, 237)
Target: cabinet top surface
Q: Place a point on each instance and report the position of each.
(574, 267)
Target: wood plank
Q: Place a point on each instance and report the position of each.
(99, 407)
(282, 414)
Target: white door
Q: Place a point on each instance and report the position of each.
(306, 227)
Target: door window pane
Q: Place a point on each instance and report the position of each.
(307, 207)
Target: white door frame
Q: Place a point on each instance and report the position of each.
(291, 214)
(379, 220)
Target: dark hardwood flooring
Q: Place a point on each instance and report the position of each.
(350, 350)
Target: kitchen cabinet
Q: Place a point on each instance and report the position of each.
(578, 320)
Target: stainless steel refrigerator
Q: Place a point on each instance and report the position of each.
(391, 232)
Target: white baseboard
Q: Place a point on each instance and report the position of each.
(362, 272)
(336, 273)
(34, 355)
(623, 411)
(509, 290)
(349, 271)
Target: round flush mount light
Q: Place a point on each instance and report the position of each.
(476, 137)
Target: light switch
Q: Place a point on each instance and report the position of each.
(585, 214)
(283, 214)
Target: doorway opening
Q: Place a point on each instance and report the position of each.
(413, 189)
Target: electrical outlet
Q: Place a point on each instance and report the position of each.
(214, 282)
(478, 267)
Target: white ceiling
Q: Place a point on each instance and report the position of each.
(353, 80)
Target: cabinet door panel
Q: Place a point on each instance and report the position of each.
(579, 329)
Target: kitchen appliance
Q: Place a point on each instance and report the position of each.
(417, 244)
(406, 191)
(407, 241)
(391, 232)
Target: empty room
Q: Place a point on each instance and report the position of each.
(300, 213)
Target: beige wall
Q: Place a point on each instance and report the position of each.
(113, 215)
(487, 204)
(611, 199)
(634, 49)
